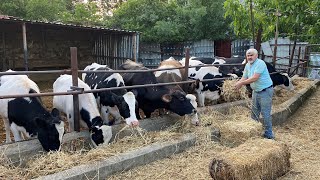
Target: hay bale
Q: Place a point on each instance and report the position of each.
(229, 93)
(255, 159)
(235, 127)
(234, 133)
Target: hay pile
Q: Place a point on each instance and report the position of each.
(193, 163)
(255, 159)
(229, 94)
(236, 127)
(76, 153)
(7, 170)
(302, 134)
(281, 95)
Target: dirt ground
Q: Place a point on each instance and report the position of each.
(301, 134)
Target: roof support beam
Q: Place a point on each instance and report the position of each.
(25, 49)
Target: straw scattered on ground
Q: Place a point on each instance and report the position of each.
(302, 135)
(282, 95)
(52, 162)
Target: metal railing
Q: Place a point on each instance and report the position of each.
(75, 90)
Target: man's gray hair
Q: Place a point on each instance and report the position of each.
(252, 51)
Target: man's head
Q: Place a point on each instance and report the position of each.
(252, 55)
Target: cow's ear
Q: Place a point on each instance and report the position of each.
(55, 112)
(135, 92)
(116, 99)
(166, 98)
(93, 129)
(40, 122)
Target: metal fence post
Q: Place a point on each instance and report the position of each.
(74, 73)
(186, 69)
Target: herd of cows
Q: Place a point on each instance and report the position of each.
(27, 117)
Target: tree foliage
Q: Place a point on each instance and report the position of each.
(297, 19)
(172, 20)
(67, 11)
(45, 10)
(85, 14)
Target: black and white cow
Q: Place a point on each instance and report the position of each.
(116, 102)
(210, 89)
(281, 80)
(27, 116)
(152, 98)
(89, 113)
(232, 69)
(175, 75)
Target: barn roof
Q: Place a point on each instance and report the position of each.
(6, 18)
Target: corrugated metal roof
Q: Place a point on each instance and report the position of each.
(16, 19)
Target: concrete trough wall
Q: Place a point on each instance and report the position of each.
(292, 105)
(22, 151)
(18, 153)
(125, 161)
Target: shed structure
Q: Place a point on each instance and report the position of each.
(38, 45)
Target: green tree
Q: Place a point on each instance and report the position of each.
(46, 10)
(172, 20)
(13, 8)
(297, 19)
(85, 14)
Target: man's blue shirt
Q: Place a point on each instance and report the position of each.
(258, 67)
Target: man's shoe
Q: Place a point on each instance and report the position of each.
(268, 137)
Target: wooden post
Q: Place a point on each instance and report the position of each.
(186, 69)
(292, 55)
(25, 48)
(276, 39)
(74, 71)
(299, 53)
(252, 24)
(5, 65)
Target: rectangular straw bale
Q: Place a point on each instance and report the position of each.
(234, 133)
(255, 159)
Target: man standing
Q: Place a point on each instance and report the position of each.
(257, 75)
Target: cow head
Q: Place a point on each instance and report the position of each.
(193, 101)
(101, 135)
(178, 103)
(287, 82)
(127, 105)
(50, 130)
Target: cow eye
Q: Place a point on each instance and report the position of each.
(181, 98)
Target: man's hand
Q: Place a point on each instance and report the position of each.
(238, 85)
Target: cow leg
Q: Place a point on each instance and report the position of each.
(138, 113)
(71, 122)
(115, 113)
(7, 128)
(104, 114)
(249, 91)
(16, 133)
(147, 114)
(201, 98)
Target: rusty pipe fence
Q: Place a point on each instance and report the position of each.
(75, 90)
